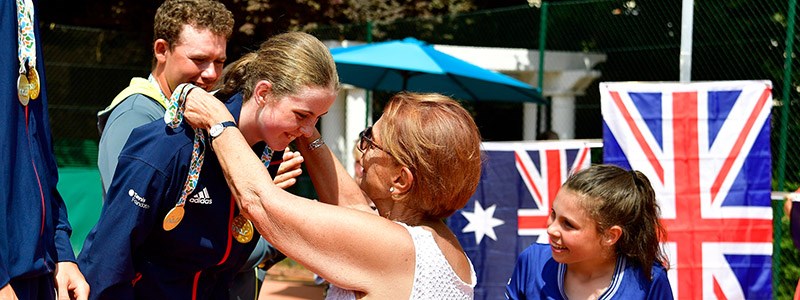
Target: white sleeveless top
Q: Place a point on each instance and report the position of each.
(434, 278)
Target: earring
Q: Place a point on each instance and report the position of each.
(391, 190)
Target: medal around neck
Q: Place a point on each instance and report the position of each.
(174, 116)
(33, 83)
(173, 218)
(23, 88)
(242, 229)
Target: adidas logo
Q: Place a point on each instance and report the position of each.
(201, 197)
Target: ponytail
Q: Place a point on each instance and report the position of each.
(234, 78)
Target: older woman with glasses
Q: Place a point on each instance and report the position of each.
(421, 163)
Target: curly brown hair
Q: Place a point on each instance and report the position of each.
(201, 14)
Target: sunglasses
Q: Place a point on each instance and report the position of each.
(365, 141)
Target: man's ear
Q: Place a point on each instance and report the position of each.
(612, 235)
(160, 49)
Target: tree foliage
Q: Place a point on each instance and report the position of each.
(255, 20)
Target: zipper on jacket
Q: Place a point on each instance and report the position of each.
(224, 256)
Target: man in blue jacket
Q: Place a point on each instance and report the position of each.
(189, 46)
(36, 258)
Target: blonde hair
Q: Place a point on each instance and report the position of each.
(437, 139)
(202, 14)
(290, 61)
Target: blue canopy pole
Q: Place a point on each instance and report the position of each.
(368, 98)
(405, 75)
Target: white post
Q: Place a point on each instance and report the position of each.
(687, 23)
(356, 122)
(332, 126)
(563, 116)
(530, 115)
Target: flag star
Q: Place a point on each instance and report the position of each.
(482, 222)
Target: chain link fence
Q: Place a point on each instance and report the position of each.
(85, 69)
(732, 40)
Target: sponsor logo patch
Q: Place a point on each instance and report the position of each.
(201, 197)
(138, 200)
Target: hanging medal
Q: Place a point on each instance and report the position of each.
(22, 89)
(174, 217)
(242, 228)
(173, 117)
(33, 83)
(28, 86)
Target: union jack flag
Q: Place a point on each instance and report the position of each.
(705, 148)
(509, 210)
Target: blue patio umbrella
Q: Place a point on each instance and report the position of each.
(412, 65)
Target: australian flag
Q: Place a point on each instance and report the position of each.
(509, 210)
(706, 149)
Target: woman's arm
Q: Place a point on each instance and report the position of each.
(206, 110)
(203, 110)
(323, 167)
(345, 246)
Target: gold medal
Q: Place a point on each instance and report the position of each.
(173, 218)
(242, 229)
(22, 89)
(33, 81)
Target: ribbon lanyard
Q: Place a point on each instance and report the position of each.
(174, 117)
(28, 81)
(152, 81)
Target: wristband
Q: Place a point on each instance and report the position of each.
(316, 144)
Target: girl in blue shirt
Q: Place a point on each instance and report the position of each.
(604, 242)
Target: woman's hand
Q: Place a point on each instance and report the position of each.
(70, 282)
(202, 110)
(7, 293)
(289, 169)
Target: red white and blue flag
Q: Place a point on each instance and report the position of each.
(509, 210)
(706, 149)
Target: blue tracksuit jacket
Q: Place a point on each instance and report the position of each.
(34, 230)
(129, 255)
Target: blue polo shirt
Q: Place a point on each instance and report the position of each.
(129, 255)
(538, 276)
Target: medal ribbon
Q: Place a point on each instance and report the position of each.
(152, 81)
(26, 41)
(266, 156)
(174, 117)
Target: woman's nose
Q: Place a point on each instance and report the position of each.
(306, 131)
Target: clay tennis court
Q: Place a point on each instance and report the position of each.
(288, 281)
(291, 290)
